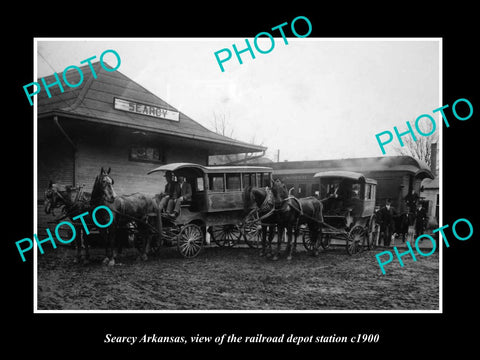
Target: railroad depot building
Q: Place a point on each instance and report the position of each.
(113, 122)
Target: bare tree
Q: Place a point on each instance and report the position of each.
(221, 125)
(420, 149)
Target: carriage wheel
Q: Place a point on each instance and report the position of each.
(226, 235)
(252, 233)
(306, 240)
(325, 240)
(252, 230)
(355, 240)
(190, 240)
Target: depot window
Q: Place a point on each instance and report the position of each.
(146, 154)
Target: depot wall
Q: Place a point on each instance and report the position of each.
(129, 176)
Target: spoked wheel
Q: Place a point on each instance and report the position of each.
(307, 241)
(252, 230)
(356, 240)
(325, 240)
(226, 235)
(190, 240)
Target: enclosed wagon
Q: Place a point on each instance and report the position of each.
(348, 200)
(216, 205)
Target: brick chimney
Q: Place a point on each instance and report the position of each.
(433, 158)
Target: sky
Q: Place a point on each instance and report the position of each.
(312, 99)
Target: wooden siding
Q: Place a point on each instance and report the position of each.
(129, 176)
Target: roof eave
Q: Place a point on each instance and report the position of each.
(242, 147)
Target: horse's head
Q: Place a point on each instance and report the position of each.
(103, 187)
(280, 193)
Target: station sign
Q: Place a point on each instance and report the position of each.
(145, 109)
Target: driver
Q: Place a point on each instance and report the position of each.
(185, 195)
(171, 193)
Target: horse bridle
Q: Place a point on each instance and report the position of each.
(101, 180)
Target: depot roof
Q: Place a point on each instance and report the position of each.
(110, 99)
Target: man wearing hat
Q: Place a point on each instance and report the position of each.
(385, 217)
(171, 193)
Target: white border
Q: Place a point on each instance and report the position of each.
(35, 196)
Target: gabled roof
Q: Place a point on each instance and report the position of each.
(93, 101)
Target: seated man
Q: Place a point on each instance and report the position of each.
(185, 195)
(171, 193)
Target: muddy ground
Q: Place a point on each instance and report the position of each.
(236, 279)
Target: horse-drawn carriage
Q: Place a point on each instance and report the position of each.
(348, 200)
(216, 206)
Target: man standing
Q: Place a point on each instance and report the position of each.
(387, 225)
(185, 195)
(420, 219)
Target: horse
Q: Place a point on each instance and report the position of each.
(263, 199)
(72, 201)
(291, 213)
(125, 208)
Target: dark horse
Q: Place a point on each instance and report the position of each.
(72, 201)
(291, 212)
(125, 208)
(263, 199)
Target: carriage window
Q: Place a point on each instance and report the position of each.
(216, 182)
(265, 179)
(355, 191)
(249, 180)
(368, 191)
(200, 184)
(329, 190)
(233, 182)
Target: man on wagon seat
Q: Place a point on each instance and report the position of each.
(185, 195)
(171, 193)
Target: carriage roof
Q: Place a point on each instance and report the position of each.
(178, 167)
(345, 174)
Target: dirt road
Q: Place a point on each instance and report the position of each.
(237, 279)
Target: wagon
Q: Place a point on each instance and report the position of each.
(216, 210)
(348, 200)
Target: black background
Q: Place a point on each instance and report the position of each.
(65, 335)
